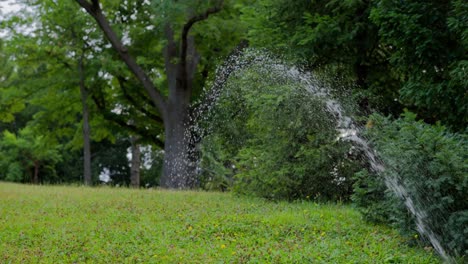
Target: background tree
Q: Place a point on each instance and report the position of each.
(334, 37)
(428, 41)
(10, 102)
(135, 162)
(53, 66)
(181, 60)
(52, 75)
(27, 154)
(398, 53)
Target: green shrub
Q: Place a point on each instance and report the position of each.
(271, 137)
(217, 176)
(431, 164)
(15, 172)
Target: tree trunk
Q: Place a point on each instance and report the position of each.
(86, 129)
(178, 172)
(135, 164)
(36, 172)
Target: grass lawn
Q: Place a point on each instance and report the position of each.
(55, 224)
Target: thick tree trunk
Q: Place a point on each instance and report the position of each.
(178, 171)
(86, 129)
(135, 164)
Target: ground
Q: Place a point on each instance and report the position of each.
(52, 224)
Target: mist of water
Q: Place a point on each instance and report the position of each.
(346, 128)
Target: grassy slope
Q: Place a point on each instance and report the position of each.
(103, 225)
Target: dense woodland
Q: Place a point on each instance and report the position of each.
(94, 87)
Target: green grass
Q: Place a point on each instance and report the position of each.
(51, 224)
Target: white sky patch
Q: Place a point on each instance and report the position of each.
(146, 156)
(10, 8)
(105, 175)
(7, 7)
(126, 40)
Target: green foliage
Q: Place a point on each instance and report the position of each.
(428, 49)
(21, 153)
(431, 164)
(102, 225)
(40, 76)
(112, 156)
(399, 53)
(333, 35)
(273, 138)
(216, 170)
(150, 175)
(375, 201)
(10, 104)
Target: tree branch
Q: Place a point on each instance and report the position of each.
(95, 3)
(170, 51)
(95, 11)
(133, 101)
(140, 131)
(117, 119)
(86, 5)
(186, 29)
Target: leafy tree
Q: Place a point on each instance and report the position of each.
(335, 37)
(27, 154)
(57, 70)
(42, 69)
(180, 64)
(428, 41)
(399, 53)
(9, 101)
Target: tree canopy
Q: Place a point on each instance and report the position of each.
(106, 72)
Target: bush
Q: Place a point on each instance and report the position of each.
(431, 164)
(217, 176)
(271, 137)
